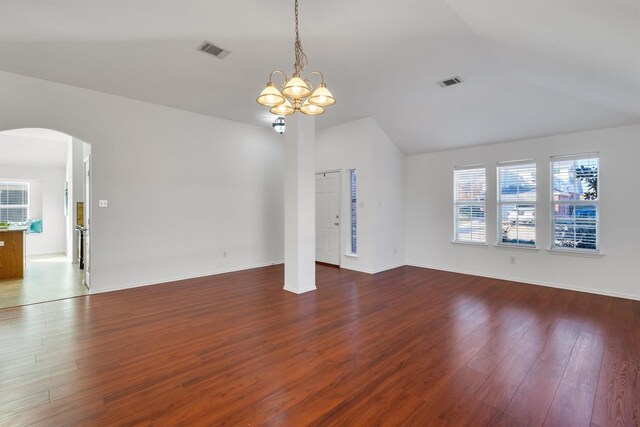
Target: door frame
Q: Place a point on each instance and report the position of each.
(339, 171)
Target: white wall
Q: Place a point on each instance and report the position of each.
(182, 188)
(46, 201)
(388, 175)
(363, 146)
(429, 214)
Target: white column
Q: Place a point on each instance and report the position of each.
(299, 204)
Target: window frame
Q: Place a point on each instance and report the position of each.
(552, 229)
(456, 204)
(353, 212)
(500, 203)
(22, 206)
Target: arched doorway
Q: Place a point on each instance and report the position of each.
(45, 191)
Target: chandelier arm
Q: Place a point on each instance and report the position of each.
(309, 84)
(286, 79)
(316, 72)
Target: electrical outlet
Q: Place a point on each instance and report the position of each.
(103, 204)
(513, 260)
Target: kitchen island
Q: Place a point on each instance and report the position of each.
(12, 252)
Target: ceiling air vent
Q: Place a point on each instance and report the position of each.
(214, 50)
(450, 81)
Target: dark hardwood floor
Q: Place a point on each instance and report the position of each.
(409, 346)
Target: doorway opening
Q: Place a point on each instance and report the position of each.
(328, 217)
(45, 194)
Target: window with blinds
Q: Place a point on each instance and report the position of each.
(354, 212)
(469, 204)
(575, 202)
(517, 203)
(14, 202)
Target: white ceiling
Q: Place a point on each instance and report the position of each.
(530, 67)
(33, 148)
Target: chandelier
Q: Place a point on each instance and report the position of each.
(296, 94)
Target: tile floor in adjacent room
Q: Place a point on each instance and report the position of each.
(46, 278)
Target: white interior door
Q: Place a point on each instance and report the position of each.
(87, 222)
(328, 217)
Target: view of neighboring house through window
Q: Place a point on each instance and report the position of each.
(354, 216)
(14, 201)
(517, 203)
(575, 202)
(469, 204)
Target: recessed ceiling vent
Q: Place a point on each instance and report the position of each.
(214, 50)
(450, 81)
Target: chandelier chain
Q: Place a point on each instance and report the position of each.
(301, 57)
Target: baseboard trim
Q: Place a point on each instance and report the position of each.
(299, 292)
(180, 278)
(380, 270)
(532, 282)
(359, 270)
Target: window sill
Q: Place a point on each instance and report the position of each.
(578, 253)
(350, 255)
(517, 247)
(458, 242)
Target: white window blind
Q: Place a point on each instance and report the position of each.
(14, 202)
(469, 204)
(575, 201)
(354, 212)
(517, 203)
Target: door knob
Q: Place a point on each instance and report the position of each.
(336, 223)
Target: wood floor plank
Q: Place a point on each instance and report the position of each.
(409, 346)
(571, 407)
(616, 401)
(535, 394)
(500, 387)
(584, 364)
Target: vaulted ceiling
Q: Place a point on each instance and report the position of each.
(530, 67)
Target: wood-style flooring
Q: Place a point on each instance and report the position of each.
(409, 346)
(46, 278)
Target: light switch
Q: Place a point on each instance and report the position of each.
(103, 204)
(1, 243)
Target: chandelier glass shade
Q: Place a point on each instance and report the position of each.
(296, 94)
(271, 96)
(283, 109)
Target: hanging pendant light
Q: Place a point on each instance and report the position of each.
(296, 94)
(279, 125)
